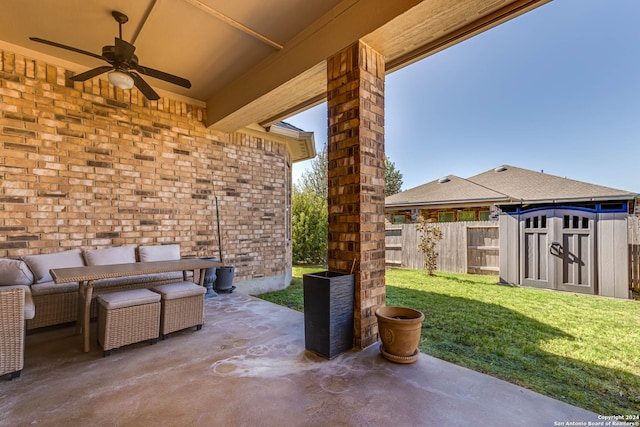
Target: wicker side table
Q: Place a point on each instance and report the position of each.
(182, 306)
(128, 317)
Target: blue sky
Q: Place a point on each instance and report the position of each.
(556, 89)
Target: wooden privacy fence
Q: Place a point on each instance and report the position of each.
(466, 247)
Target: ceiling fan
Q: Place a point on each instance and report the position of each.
(124, 66)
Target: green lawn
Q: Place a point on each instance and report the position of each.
(580, 349)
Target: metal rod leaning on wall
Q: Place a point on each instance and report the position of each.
(219, 235)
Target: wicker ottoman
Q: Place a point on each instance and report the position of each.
(182, 306)
(128, 317)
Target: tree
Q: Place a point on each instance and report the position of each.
(431, 234)
(392, 178)
(309, 211)
(309, 227)
(315, 179)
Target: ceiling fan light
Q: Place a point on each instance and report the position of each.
(120, 79)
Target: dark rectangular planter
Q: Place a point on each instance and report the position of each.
(328, 312)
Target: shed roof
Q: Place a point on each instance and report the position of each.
(505, 184)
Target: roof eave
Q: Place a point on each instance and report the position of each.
(300, 144)
(305, 141)
(448, 202)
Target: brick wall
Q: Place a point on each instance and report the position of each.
(87, 165)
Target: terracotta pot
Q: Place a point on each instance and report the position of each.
(399, 329)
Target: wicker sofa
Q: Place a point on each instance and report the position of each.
(58, 303)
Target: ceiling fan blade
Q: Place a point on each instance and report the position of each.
(123, 50)
(91, 73)
(163, 76)
(62, 46)
(143, 87)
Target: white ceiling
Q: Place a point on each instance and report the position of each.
(249, 61)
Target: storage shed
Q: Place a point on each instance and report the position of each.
(562, 234)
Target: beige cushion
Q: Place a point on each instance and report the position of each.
(159, 253)
(108, 256)
(179, 290)
(48, 288)
(14, 272)
(41, 264)
(131, 298)
(29, 306)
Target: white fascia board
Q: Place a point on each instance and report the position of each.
(301, 144)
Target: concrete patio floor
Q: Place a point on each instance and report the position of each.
(248, 367)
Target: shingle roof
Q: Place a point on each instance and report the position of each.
(530, 186)
(506, 184)
(286, 125)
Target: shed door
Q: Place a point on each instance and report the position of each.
(534, 243)
(557, 249)
(573, 250)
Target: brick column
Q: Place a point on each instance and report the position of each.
(355, 94)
